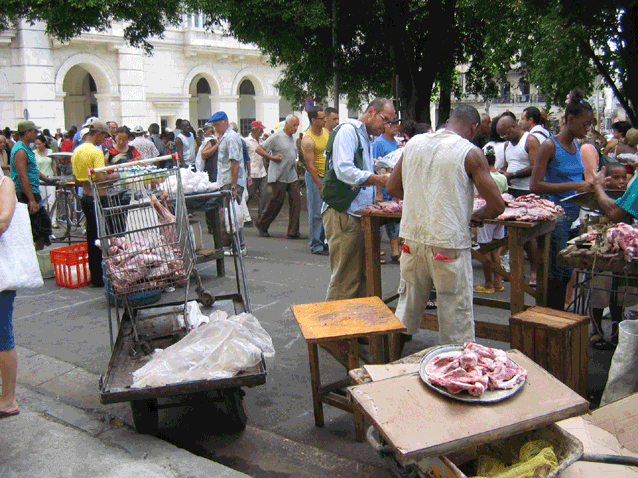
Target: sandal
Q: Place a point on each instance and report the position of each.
(483, 290)
(598, 342)
(395, 259)
(499, 289)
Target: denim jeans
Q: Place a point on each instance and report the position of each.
(315, 223)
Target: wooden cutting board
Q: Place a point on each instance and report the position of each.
(418, 422)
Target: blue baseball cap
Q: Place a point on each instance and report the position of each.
(219, 116)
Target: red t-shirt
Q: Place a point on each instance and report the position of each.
(66, 146)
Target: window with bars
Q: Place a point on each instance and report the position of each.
(244, 126)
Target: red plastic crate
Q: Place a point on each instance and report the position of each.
(71, 265)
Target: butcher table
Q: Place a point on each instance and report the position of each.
(518, 233)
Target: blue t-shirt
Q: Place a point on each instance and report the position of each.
(78, 140)
(380, 147)
(629, 200)
(32, 169)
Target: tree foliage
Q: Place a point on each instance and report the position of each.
(409, 46)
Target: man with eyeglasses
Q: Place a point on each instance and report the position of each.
(520, 155)
(343, 228)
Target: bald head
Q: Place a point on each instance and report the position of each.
(507, 128)
(464, 120)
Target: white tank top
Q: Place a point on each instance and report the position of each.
(517, 159)
(438, 193)
(189, 147)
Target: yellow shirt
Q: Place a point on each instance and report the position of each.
(86, 156)
(320, 150)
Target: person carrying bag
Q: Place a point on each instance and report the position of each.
(18, 269)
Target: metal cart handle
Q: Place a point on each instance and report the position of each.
(133, 163)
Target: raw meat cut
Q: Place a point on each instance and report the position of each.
(390, 207)
(476, 369)
(529, 208)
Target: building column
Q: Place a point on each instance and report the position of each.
(267, 110)
(214, 104)
(108, 106)
(229, 105)
(35, 76)
(131, 79)
(192, 111)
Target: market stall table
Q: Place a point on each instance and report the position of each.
(518, 234)
(337, 326)
(401, 407)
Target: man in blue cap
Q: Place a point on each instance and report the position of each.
(231, 174)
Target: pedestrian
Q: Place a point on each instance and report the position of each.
(258, 167)
(47, 167)
(206, 159)
(122, 150)
(558, 173)
(231, 174)
(154, 130)
(18, 269)
(313, 147)
(352, 164)
(382, 145)
(26, 179)
(4, 155)
(281, 150)
(435, 178)
(482, 136)
(110, 139)
(332, 118)
(186, 146)
(51, 141)
(145, 146)
(88, 156)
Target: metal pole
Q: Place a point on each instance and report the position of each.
(335, 80)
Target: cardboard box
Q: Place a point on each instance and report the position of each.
(611, 430)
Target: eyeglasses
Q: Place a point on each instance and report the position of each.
(386, 120)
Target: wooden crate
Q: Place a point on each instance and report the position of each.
(555, 340)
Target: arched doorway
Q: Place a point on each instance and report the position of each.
(80, 96)
(247, 113)
(200, 110)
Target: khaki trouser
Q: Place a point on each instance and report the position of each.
(453, 281)
(345, 240)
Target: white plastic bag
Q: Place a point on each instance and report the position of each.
(239, 217)
(19, 268)
(623, 373)
(194, 316)
(219, 349)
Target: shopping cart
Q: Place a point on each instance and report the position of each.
(147, 247)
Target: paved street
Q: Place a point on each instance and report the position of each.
(64, 346)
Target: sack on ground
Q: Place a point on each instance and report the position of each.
(219, 349)
(623, 373)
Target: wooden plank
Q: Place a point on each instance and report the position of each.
(516, 335)
(540, 347)
(542, 270)
(484, 248)
(529, 336)
(546, 311)
(573, 338)
(315, 383)
(538, 230)
(494, 303)
(338, 402)
(387, 215)
(583, 366)
(402, 408)
(483, 330)
(349, 318)
(517, 275)
(372, 253)
(556, 364)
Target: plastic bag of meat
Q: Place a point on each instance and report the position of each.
(219, 349)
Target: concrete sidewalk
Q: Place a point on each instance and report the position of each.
(57, 438)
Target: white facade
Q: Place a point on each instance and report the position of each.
(58, 85)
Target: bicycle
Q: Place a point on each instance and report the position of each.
(67, 212)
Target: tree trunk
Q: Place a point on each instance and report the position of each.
(445, 102)
(629, 33)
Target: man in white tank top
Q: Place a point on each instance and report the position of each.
(436, 178)
(520, 156)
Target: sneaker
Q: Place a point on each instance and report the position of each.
(244, 251)
(505, 262)
(248, 224)
(229, 252)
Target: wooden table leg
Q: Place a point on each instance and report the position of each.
(542, 273)
(372, 244)
(517, 273)
(315, 381)
(353, 363)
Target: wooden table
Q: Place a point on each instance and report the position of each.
(518, 234)
(337, 326)
(402, 407)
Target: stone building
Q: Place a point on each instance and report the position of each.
(191, 74)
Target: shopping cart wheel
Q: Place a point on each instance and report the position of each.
(236, 415)
(145, 416)
(207, 299)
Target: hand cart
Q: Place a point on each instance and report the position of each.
(147, 247)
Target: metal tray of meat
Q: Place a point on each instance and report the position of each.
(588, 200)
(490, 396)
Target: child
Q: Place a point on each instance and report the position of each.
(601, 297)
(492, 232)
